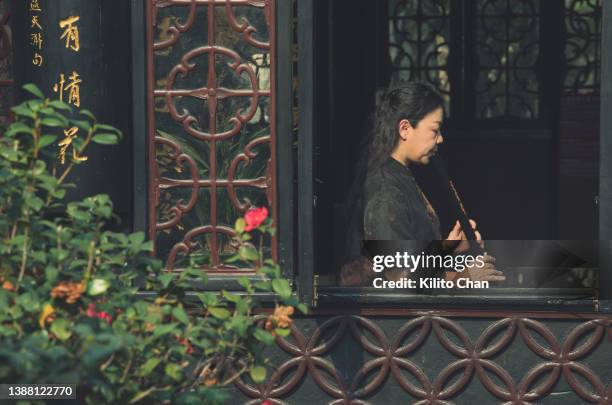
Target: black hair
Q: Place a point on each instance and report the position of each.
(402, 100)
(411, 101)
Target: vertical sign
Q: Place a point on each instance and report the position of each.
(78, 51)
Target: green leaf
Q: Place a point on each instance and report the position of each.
(244, 282)
(208, 298)
(231, 297)
(258, 374)
(220, 313)
(282, 287)
(51, 274)
(106, 139)
(174, 371)
(60, 105)
(143, 394)
(17, 128)
(248, 253)
(240, 225)
(263, 285)
(282, 332)
(164, 329)
(33, 89)
(51, 122)
(303, 308)
(23, 111)
(180, 314)
(82, 124)
(46, 140)
(149, 366)
(97, 286)
(61, 328)
(54, 114)
(264, 337)
(88, 114)
(166, 279)
(108, 128)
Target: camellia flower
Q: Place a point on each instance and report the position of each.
(105, 316)
(255, 217)
(185, 342)
(92, 313)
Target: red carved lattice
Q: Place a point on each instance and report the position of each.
(199, 181)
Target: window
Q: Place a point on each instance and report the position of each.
(222, 124)
(502, 72)
(486, 54)
(212, 131)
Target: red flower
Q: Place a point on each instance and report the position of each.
(266, 402)
(105, 316)
(255, 217)
(186, 343)
(92, 313)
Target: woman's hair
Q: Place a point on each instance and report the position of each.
(411, 101)
(408, 100)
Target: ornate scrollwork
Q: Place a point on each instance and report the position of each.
(228, 60)
(582, 46)
(174, 32)
(507, 46)
(419, 41)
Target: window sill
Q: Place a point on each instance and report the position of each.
(544, 299)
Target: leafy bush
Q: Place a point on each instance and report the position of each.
(82, 305)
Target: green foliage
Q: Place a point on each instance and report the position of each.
(83, 305)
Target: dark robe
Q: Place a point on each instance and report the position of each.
(395, 211)
(396, 208)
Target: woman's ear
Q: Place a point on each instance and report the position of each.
(404, 128)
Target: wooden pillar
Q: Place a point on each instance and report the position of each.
(605, 176)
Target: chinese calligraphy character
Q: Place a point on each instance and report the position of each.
(73, 88)
(36, 40)
(34, 6)
(74, 95)
(59, 87)
(37, 60)
(35, 22)
(70, 134)
(71, 32)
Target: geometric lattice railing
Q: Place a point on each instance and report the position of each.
(428, 358)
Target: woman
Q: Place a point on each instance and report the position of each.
(407, 132)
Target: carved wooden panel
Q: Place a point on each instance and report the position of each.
(434, 358)
(211, 125)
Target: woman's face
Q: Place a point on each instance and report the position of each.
(420, 143)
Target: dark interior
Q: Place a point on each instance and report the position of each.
(523, 176)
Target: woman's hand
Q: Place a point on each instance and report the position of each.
(488, 272)
(458, 239)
